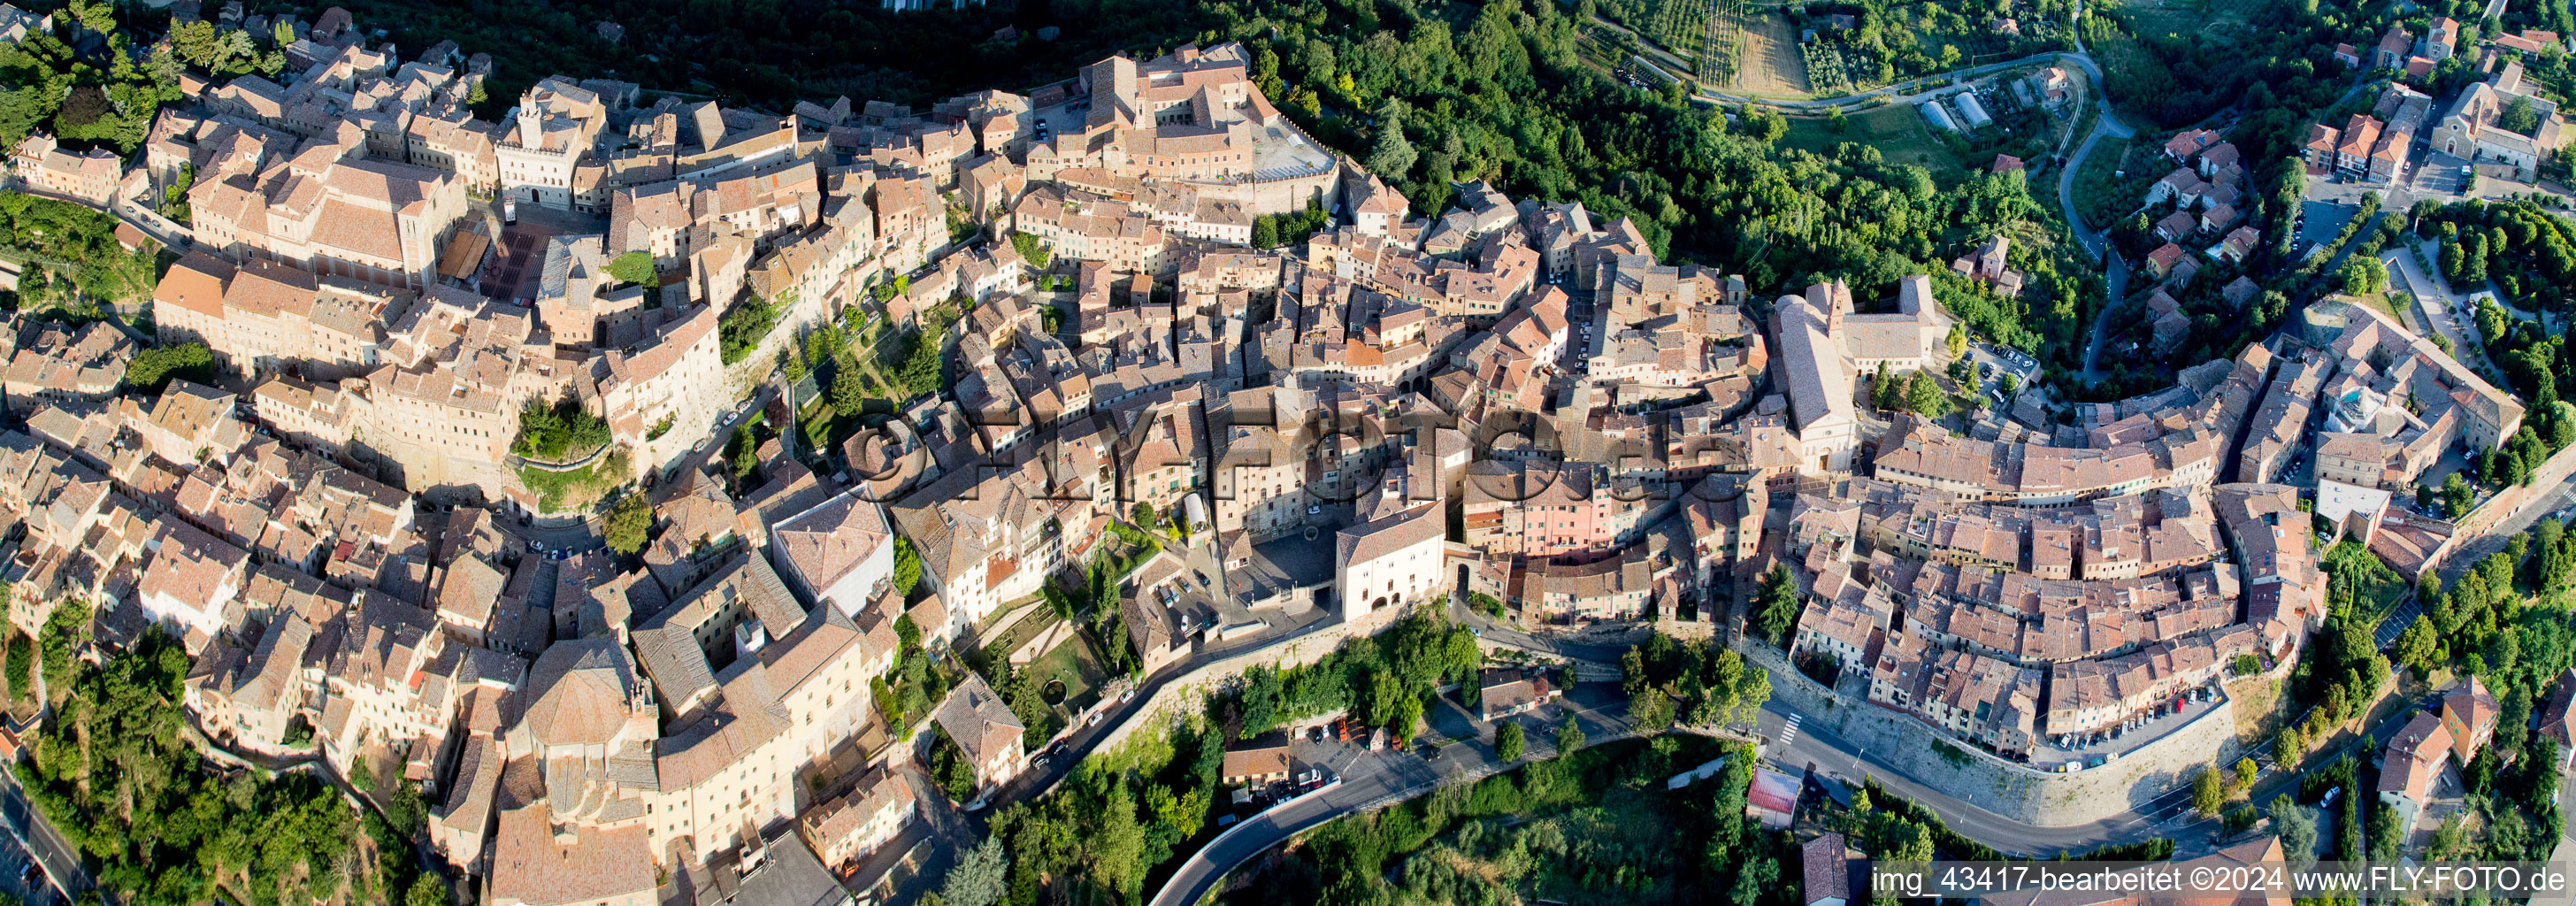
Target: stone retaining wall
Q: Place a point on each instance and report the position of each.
(2012, 789)
(1185, 691)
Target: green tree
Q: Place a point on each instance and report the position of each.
(1569, 738)
(151, 368)
(2246, 770)
(1650, 710)
(405, 811)
(743, 326)
(1958, 340)
(1032, 250)
(425, 889)
(907, 635)
(849, 391)
(1752, 693)
(66, 633)
(1776, 604)
(21, 665)
(1755, 881)
(630, 522)
(1510, 741)
(2363, 276)
(2416, 647)
(2519, 116)
(1393, 156)
(979, 878)
(920, 371)
(1632, 671)
(2208, 793)
(2289, 746)
(2298, 829)
(195, 42)
(907, 566)
(1923, 396)
(1115, 847)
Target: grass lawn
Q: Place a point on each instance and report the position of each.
(2381, 302)
(1019, 633)
(2260, 710)
(1898, 132)
(570, 490)
(1076, 666)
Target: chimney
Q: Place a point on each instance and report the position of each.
(532, 130)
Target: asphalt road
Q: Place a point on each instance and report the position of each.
(1357, 791)
(2116, 273)
(29, 830)
(1372, 779)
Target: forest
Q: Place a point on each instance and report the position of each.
(773, 53)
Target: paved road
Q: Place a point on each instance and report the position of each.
(1373, 779)
(2115, 285)
(2470, 553)
(1357, 792)
(2116, 271)
(61, 861)
(1599, 650)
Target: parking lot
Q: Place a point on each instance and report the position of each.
(1993, 362)
(2131, 734)
(2321, 221)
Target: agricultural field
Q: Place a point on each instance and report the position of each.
(1678, 26)
(1681, 26)
(1772, 64)
(1828, 72)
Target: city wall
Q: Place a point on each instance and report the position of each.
(1277, 196)
(2011, 789)
(2504, 507)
